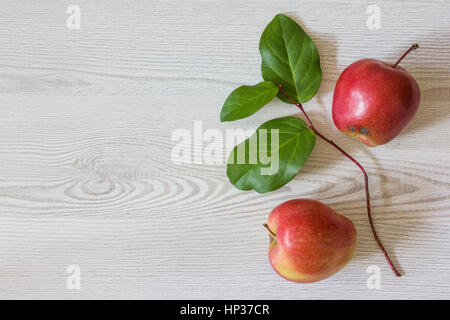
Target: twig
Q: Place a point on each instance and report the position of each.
(366, 178)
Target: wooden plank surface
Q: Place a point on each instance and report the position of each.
(87, 179)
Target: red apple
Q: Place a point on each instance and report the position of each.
(309, 241)
(374, 100)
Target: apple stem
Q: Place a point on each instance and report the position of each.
(413, 47)
(272, 234)
(366, 177)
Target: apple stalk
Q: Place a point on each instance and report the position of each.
(413, 47)
(272, 235)
(366, 177)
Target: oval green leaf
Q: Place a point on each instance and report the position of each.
(246, 100)
(290, 58)
(272, 156)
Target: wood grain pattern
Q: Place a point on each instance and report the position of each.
(85, 144)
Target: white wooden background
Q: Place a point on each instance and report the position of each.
(86, 176)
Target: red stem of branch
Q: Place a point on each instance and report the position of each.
(366, 178)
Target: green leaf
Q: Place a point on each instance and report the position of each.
(246, 100)
(265, 163)
(290, 58)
